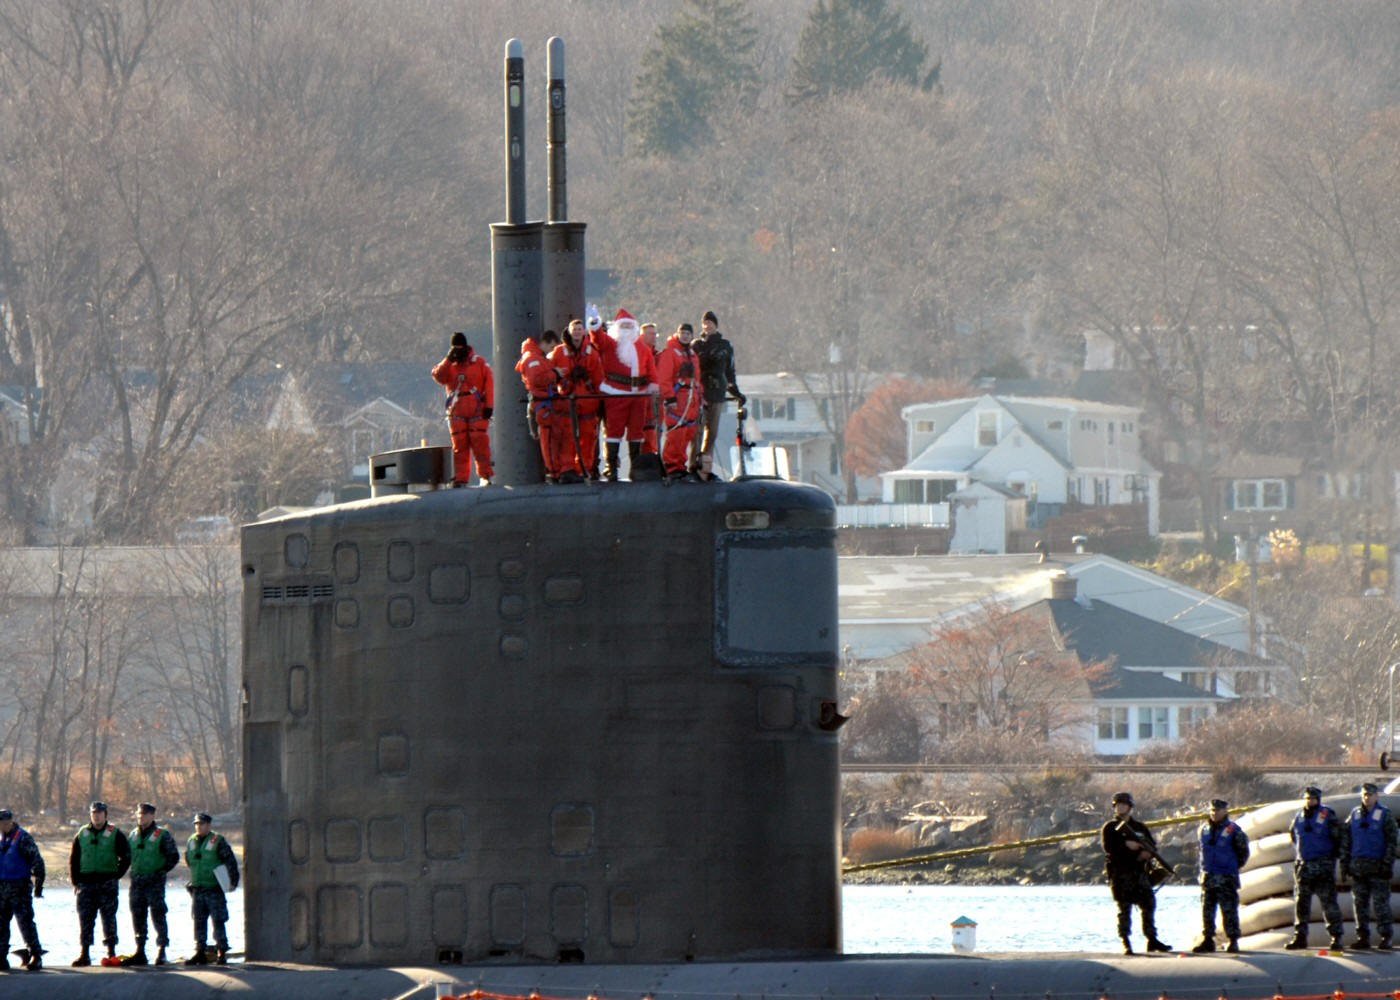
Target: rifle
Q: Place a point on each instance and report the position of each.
(1156, 874)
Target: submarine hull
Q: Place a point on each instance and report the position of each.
(579, 724)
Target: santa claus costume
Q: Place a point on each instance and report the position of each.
(629, 387)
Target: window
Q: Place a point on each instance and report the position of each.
(1153, 724)
(773, 409)
(923, 426)
(1110, 432)
(834, 460)
(1100, 491)
(938, 490)
(1054, 425)
(1259, 494)
(1113, 723)
(1188, 717)
(1201, 680)
(908, 491)
(986, 429)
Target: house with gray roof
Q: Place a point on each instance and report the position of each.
(1053, 451)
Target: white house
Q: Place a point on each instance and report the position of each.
(794, 412)
(1049, 450)
(982, 515)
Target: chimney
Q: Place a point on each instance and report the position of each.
(1063, 587)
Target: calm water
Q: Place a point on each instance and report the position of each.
(915, 919)
(884, 919)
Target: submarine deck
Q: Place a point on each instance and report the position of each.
(1245, 976)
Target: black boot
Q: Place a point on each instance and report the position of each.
(1207, 944)
(1384, 943)
(610, 474)
(1233, 946)
(1362, 942)
(221, 955)
(1336, 943)
(199, 957)
(138, 957)
(1299, 942)
(160, 955)
(1153, 944)
(1127, 946)
(83, 960)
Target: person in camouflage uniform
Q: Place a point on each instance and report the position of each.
(1224, 848)
(20, 861)
(1126, 865)
(1317, 841)
(206, 853)
(153, 856)
(100, 857)
(1368, 855)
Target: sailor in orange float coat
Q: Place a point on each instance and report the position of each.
(678, 375)
(582, 368)
(549, 403)
(471, 397)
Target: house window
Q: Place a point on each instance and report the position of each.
(834, 460)
(1201, 680)
(1113, 723)
(1153, 724)
(1054, 425)
(938, 490)
(986, 429)
(923, 426)
(908, 491)
(1188, 717)
(1100, 491)
(1110, 432)
(1260, 494)
(773, 409)
(361, 442)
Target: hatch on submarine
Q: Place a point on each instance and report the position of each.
(542, 723)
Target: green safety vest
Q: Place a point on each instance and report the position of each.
(146, 856)
(97, 850)
(203, 859)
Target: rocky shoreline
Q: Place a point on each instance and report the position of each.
(884, 821)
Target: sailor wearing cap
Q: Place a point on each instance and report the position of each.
(1368, 855)
(100, 857)
(1317, 841)
(153, 856)
(213, 871)
(1224, 848)
(20, 861)
(1128, 847)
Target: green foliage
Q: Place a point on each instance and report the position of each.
(846, 44)
(699, 66)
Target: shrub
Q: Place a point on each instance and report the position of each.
(871, 844)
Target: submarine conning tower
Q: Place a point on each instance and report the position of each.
(572, 723)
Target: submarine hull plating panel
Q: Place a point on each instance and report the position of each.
(543, 724)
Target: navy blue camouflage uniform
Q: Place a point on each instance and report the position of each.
(1368, 856)
(147, 892)
(1317, 838)
(1224, 848)
(20, 862)
(97, 891)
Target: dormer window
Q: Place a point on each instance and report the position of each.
(986, 429)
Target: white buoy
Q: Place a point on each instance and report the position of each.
(964, 934)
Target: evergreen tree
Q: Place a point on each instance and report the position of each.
(847, 43)
(699, 66)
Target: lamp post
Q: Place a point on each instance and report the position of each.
(1390, 728)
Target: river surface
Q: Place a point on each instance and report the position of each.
(878, 919)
